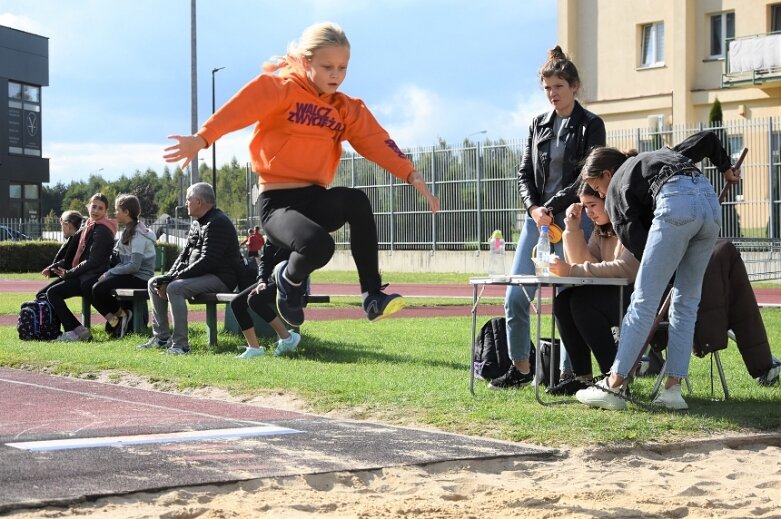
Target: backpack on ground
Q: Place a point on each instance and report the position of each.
(550, 354)
(491, 357)
(37, 321)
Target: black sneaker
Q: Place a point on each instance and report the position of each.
(568, 386)
(379, 305)
(512, 379)
(290, 298)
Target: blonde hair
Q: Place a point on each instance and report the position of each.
(316, 36)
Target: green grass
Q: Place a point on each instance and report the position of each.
(413, 370)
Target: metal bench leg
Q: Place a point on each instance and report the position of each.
(86, 312)
(139, 305)
(211, 323)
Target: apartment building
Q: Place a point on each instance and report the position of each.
(664, 62)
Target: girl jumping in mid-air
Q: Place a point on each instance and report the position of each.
(300, 122)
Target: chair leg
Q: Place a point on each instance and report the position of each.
(658, 381)
(722, 376)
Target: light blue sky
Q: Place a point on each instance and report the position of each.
(120, 71)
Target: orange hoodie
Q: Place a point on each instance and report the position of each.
(298, 133)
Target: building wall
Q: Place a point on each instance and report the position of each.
(603, 37)
(24, 58)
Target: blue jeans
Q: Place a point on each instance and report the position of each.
(686, 224)
(516, 302)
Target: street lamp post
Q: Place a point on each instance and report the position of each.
(214, 144)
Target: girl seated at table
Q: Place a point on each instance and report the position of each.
(585, 315)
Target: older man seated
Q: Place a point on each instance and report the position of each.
(210, 262)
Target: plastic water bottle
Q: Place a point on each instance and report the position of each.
(542, 254)
(496, 255)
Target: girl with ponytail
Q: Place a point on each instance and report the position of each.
(133, 266)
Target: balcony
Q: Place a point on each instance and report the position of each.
(753, 60)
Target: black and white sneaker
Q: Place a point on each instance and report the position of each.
(568, 386)
(771, 377)
(512, 379)
(290, 298)
(379, 305)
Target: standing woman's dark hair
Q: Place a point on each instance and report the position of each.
(561, 66)
(131, 204)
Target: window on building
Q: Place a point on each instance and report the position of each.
(24, 201)
(722, 28)
(24, 119)
(775, 18)
(652, 45)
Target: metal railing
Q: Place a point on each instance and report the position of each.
(477, 187)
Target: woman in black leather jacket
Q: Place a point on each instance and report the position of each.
(547, 182)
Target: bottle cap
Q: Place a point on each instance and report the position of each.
(543, 228)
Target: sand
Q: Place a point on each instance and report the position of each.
(733, 477)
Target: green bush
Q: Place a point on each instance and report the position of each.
(27, 256)
(35, 255)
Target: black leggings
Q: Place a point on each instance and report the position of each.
(584, 315)
(66, 288)
(260, 303)
(103, 301)
(301, 219)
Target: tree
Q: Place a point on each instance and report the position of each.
(715, 116)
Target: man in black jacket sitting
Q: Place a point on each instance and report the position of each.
(210, 262)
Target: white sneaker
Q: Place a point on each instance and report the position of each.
(597, 396)
(671, 398)
(287, 346)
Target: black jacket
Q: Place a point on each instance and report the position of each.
(64, 256)
(584, 131)
(212, 248)
(630, 199)
(96, 258)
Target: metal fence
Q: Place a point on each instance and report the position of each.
(477, 187)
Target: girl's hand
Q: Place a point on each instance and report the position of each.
(572, 216)
(185, 148)
(416, 180)
(541, 216)
(559, 267)
(260, 287)
(732, 175)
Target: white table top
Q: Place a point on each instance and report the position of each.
(546, 280)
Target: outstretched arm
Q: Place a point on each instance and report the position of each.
(416, 180)
(185, 148)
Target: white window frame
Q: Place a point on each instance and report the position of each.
(652, 46)
(724, 36)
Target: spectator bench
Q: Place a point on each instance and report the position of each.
(139, 297)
